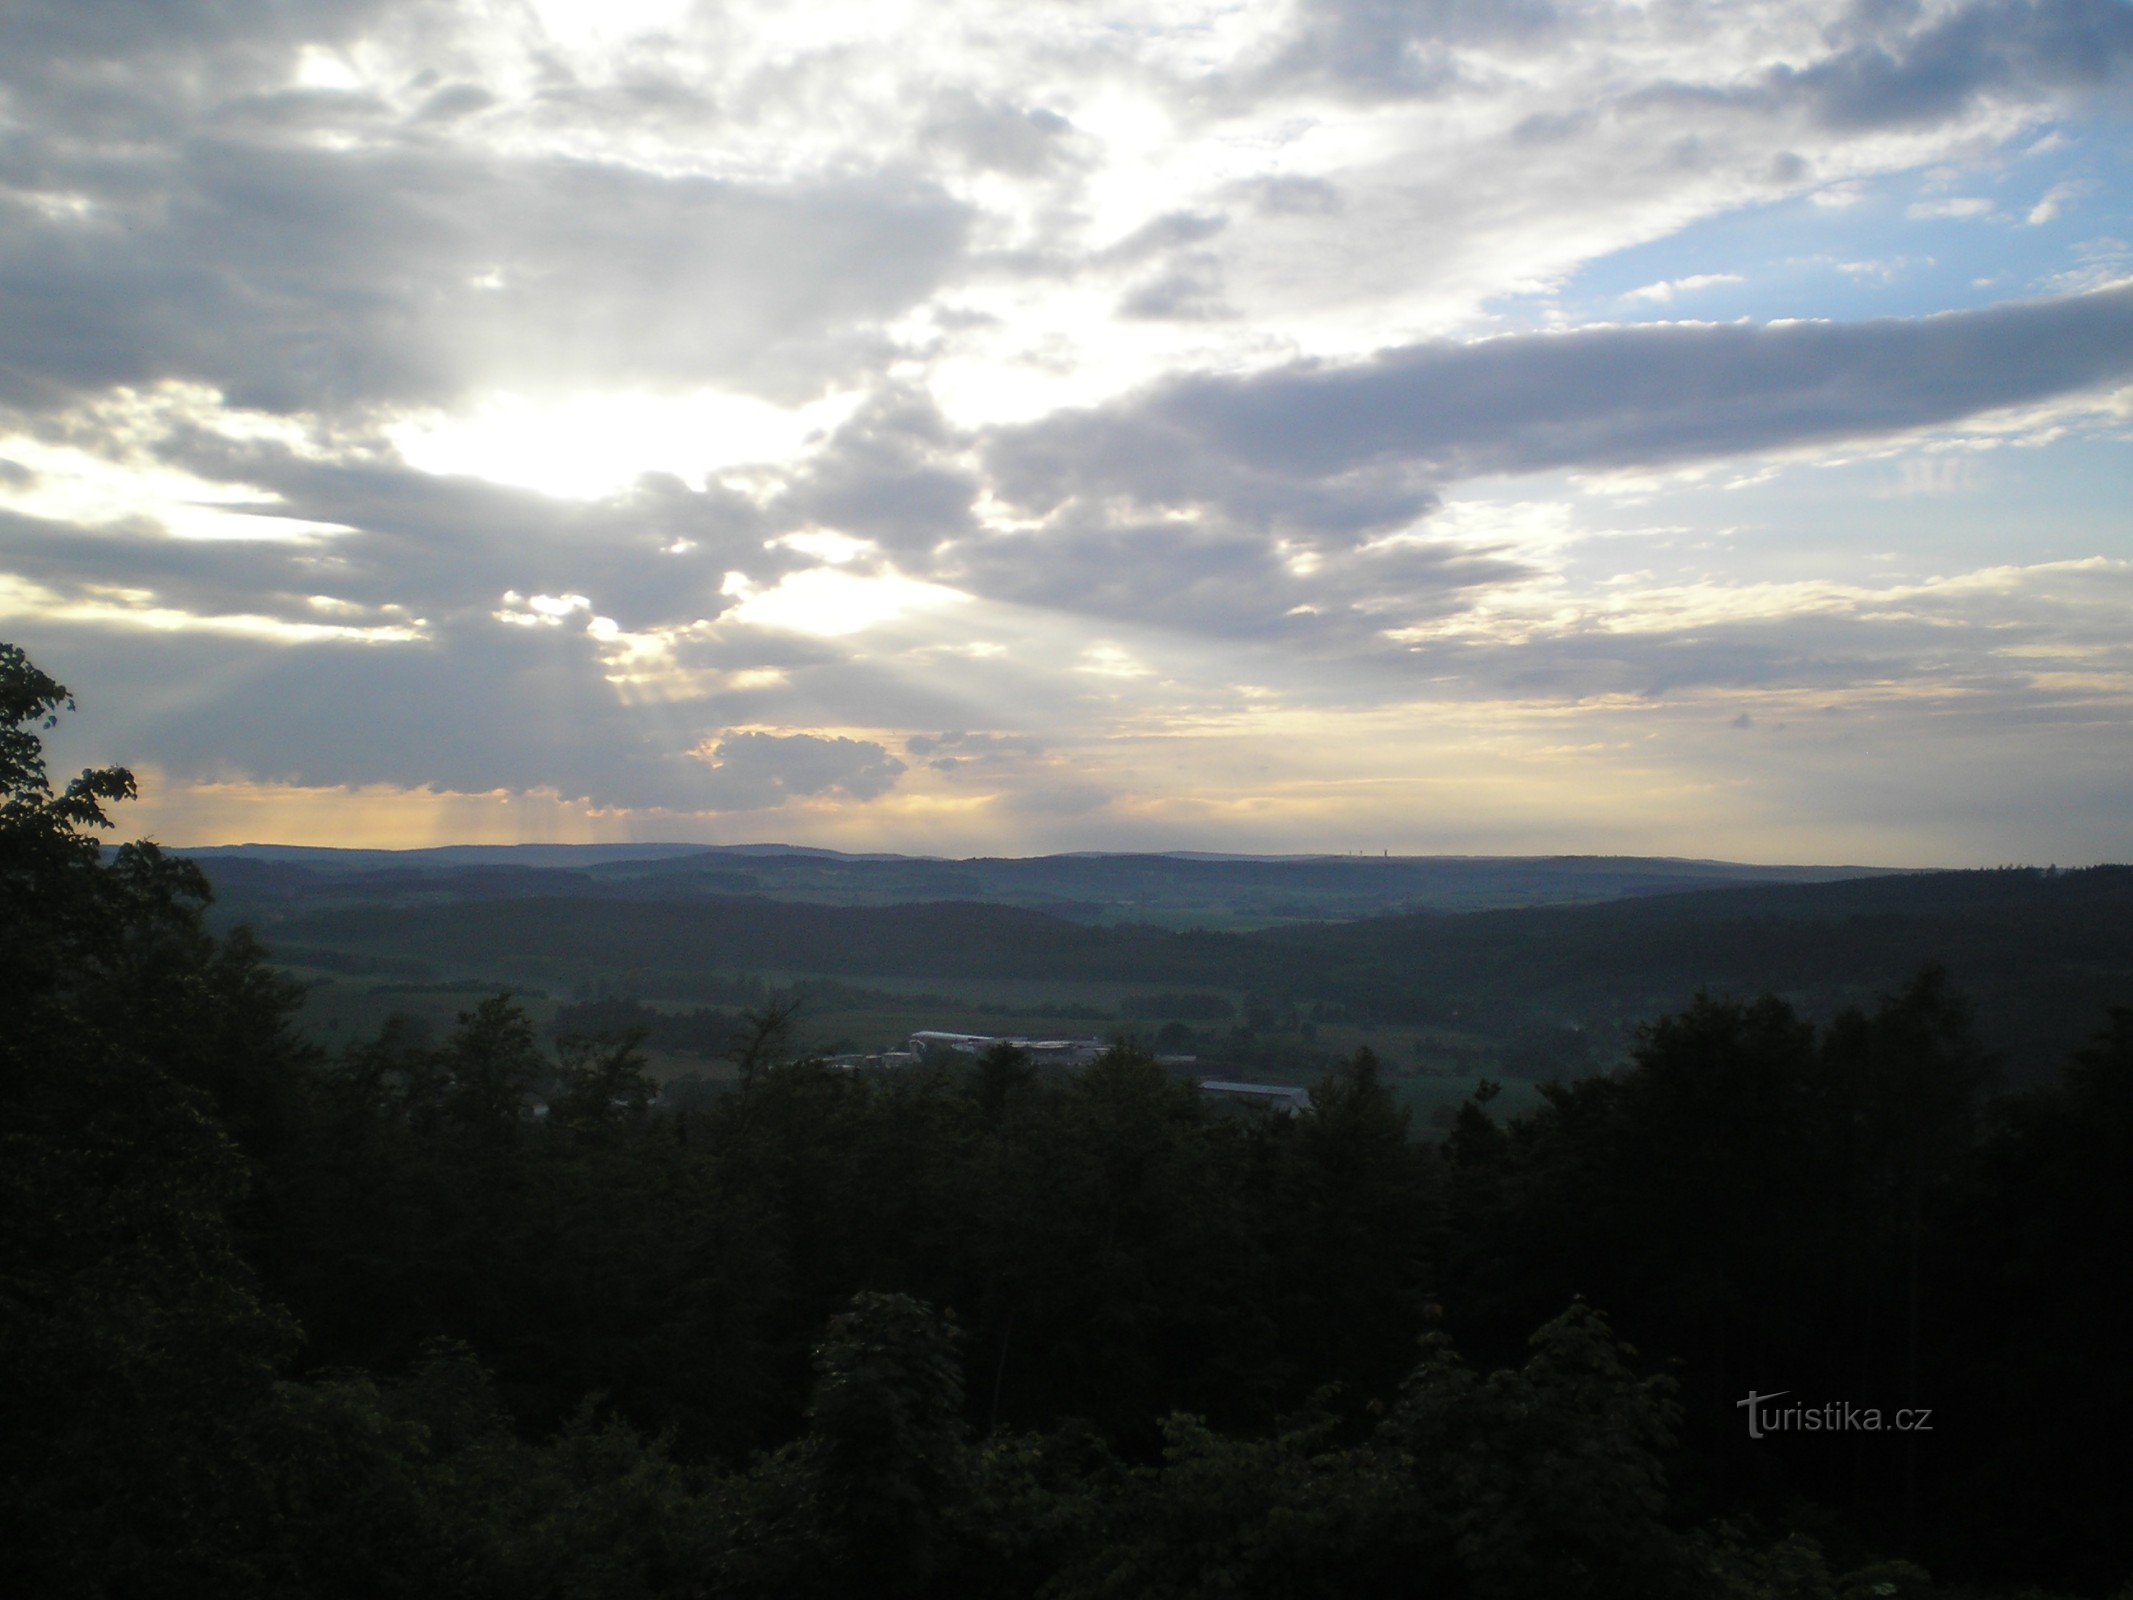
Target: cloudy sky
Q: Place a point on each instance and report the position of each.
(1700, 427)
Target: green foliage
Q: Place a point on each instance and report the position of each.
(42, 832)
(1002, 1077)
(602, 1084)
(1549, 1474)
(136, 1352)
(700, 1032)
(487, 1072)
(883, 1451)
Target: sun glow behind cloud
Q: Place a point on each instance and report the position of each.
(586, 446)
(67, 483)
(829, 603)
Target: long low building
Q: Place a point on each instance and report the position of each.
(882, 1061)
(1282, 1099)
(933, 1045)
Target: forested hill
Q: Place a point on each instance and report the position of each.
(2024, 943)
(1171, 890)
(2040, 951)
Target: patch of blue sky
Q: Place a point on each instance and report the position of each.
(2050, 216)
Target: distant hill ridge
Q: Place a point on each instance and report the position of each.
(2041, 951)
(1181, 889)
(582, 854)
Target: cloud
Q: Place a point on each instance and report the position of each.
(1351, 445)
(753, 771)
(1210, 578)
(894, 473)
(1019, 780)
(1996, 639)
(277, 270)
(1189, 290)
(1960, 208)
(1895, 76)
(996, 135)
(1400, 48)
(1291, 503)
(1667, 288)
(960, 750)
(64, 49)
(2054, 200)
(474, 706)
(437, 547)
(295, 278)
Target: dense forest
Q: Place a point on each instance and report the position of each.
(472, 1316)
(2042, 953)
(1166, 890)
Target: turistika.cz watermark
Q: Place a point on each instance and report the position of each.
(1765, 1416)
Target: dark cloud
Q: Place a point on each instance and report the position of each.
(1555, 127)
(895, 472)
(1260, 505)
(45, 36)
(298, 278)
(1349, 446)
(1025, 781)
(1388, 48)
(455, 100)
(473, 707)
(641, 96)
(1591, 661)
(1295, 197)
(960, 743)
(1135, 456)
(302, 248)
(753, 771)
(119, 72)
(996, 136)
(1174, 230)
(1888, 68)
(653, 555)
(1190, 290)
(1892, 77)
(1209, 578)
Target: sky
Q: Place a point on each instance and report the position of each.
(1426, 426)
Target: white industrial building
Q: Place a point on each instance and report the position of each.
(932, 1045)
(1282, 1099)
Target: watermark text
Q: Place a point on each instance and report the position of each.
(1767, 1416)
